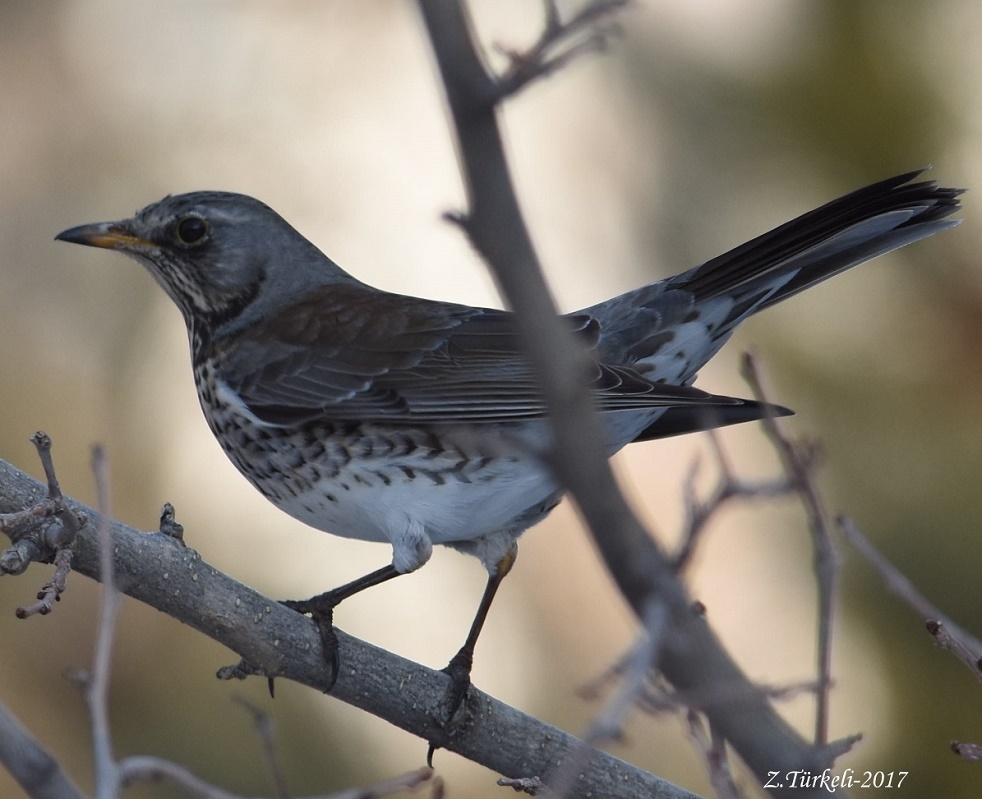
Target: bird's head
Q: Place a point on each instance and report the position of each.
(214, 253)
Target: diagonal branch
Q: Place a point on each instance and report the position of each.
(699, 512)
(162, 572)
(946, 633)
(690, 656)
(33, 767)
(799, 459)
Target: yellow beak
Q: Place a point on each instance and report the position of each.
(108, 235)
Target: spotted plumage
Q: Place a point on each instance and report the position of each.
(397, 419)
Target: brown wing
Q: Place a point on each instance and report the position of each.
(350, 352)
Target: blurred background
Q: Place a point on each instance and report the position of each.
(706, 123)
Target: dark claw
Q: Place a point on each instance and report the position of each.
(431, 750)
(321, 610)
(330, 646)
(459, 671)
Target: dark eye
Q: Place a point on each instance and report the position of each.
(191, 230)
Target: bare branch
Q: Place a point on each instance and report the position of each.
(264, 726)
(39, 773)
(52, 590)
(169, 524)
(713, 751)
(30, 764)
(800, 459)
(97, 687)
(43, 532)
(533, 786)
(945, 632)
(689, 655)
(959, 643)
(636, 668)
(698, 513)
(967, 751)
(609, 723)
(841, 746)
(171, 577)
(42, 442)
(661, 701)
(558, 44)
(152, 769)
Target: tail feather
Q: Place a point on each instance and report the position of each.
(691, 419)
(841, 234)
(669, 329)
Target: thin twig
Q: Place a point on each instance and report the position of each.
(264, 726)
(44, 533)
(799, 460)
(713, 751)
(52, 590)
(557, 46)
(42, 442)
(533, 786)
(55, 536)
(169, 525)
(698, 513)
(107, 773)
(610, 722)
(152, 769)
(945, 632)
(30, 764)
(658, 700)
(967, 751)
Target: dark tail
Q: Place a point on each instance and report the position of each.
(690, 419)
(839, 235)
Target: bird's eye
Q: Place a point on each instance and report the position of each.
(191, 230)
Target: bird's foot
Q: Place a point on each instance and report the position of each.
(459, 671)
(321, 609)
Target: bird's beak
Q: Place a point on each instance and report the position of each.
(108, 235)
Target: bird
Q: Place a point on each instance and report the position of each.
(415, 422)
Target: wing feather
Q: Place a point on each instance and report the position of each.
(353, 353)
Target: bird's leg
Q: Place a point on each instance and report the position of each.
(459, 667)
(321, 609)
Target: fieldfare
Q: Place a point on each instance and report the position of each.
(396, 419)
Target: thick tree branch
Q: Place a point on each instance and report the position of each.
(689, 655)
(159, 570)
